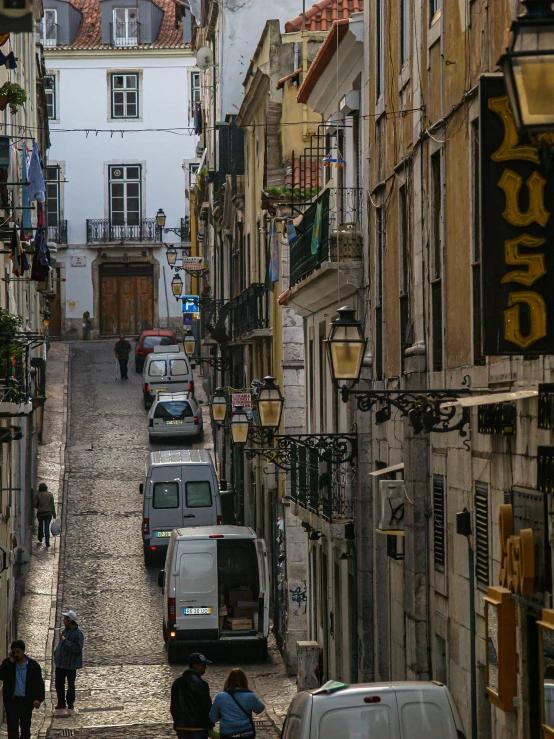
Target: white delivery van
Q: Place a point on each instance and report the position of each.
(395, 710)
(166, 370)
(180, 489)
(216, 588)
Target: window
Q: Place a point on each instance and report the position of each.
(125, 195)
(166, 495)
(198, 494)
(151, 341)
(482, 533)
(195, 92)
(380, 48)
(49, 28)
(478, 357)
(436, 262)
(193, 171)
(125, 27)
(179, 367)
(125, 94)
(173, 411)
(404, 31)
(157, 368)
(438, 522)
(53, 196)
(405, 326)
(196, 573)
(379, 281)
(50, 91)
(434, 7)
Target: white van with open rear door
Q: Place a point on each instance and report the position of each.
(216, 589)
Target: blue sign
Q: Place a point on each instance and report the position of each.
(190, 304)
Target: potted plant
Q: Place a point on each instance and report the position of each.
(13, 95)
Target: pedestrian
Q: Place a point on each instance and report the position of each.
(233, 707)
(191, 701)
(46, 511)
(68, 658)
(122, 351)
(22, 691)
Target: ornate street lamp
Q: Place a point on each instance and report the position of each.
(239, 426)
(346, 345)
(190, 343)
(270, 404)
(528, 67)
(177, 286)
(171, 255)
(160, 218)
(219, 405)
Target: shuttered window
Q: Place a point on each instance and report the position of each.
(482, 533)
(438, 522)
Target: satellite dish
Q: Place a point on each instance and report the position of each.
(204, 58)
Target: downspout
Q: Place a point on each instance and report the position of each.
(471, 563)
(354, 615)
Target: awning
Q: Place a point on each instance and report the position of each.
(386, 470)
(491, 398)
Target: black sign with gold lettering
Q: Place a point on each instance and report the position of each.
(517, 204)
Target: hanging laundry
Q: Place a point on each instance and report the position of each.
(37, 187)
(8, 60)
(26, 213)
(273, 252)
(41, 258)
(291, 233)
(14, 252)
(316, 231)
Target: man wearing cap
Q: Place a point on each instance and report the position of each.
(68, 658)
(191, 702)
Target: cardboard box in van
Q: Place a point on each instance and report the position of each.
(236, 594)
(238, 624)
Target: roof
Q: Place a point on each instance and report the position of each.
(224, 532)
(181, 456)
(322, 15)
(296, 74)
(324, 55)
(89, 35)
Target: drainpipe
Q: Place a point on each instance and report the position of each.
(354, 615)
(463, 527)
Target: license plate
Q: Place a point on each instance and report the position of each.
(197, 611)
(173, 423)
(163, 534)
(160, 390)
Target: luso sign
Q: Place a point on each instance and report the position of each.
(517, 564)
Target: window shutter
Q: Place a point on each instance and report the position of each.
(482, 533)
(438, 522)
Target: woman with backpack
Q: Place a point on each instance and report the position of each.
(233, 707)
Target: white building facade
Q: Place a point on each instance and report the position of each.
(122, 81)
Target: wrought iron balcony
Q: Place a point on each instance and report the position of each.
(58, 233)
(105, 231)
(185, 229)
(335, 215)
(125, 33)
(250, 310)
(48, 34)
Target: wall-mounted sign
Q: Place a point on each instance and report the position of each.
(517, 233)
(546, 654)
(193, 264)
(77, 261)
(501, 665)
(190, 303)
(243, 399)
(517, 555)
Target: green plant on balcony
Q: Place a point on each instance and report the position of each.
(13, 95)
(10, 350)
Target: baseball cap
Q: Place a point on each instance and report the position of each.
(198, 659)
(70, 614)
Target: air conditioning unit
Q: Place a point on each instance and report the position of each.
(393, 495)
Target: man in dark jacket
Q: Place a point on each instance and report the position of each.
(23, 690)
(122, 351)
(191, 702)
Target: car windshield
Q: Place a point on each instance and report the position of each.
(151, 341)
(179, 367)
(157, 368)
(173, 410)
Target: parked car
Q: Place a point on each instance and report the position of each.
(148, 340)
(216, 589)
(166, 370)
(396, 710)
(180, 489)
(174, 414)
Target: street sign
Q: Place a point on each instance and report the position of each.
(190, 304)
(193, 264)
(243, 399)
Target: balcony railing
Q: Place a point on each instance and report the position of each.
(336, 217)
(103, 231)
(250, 310)
(185, 229)
(48, 34)
(125, 33)
(58, 233)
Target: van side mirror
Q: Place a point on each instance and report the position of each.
(192, 366)
(141, 488)
(161, 578)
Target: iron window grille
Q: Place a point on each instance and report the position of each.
(482, 572)
(124, 95)
(545, 469)
(439, 529)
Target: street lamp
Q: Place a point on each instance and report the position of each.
(270, 403)
(528, 67)
(160, 218)
(239, 426)
(219, 405)
(177, 286)
(346, 346)
(171, 255)
(190, 343)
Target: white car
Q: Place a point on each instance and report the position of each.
(174, 414)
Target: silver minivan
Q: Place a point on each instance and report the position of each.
(180, 489)
(216, 589)
(166, 370)
(174, 414)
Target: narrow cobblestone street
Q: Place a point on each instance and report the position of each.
(123, 689)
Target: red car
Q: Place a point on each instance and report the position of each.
(148, 340)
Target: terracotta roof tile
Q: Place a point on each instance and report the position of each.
(89, 35)
(324, 55)
(321, 16)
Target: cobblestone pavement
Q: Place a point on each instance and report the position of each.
(123, 689)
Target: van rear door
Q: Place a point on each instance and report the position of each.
(165, 502)
(263, 607)
(196, 597)
(199, 496)
(354, 716)
(425, 714)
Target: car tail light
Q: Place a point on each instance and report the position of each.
(172, 634)
(191, 386)
(372, 699)
(147, 388)
(196, 419)
(146, 527)
(171, 609)
(139, 351)
(219, 520)
(151, 423)
(216, 536)
(153, 549)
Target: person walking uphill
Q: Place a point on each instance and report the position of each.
(122, 351)
(234, 707)
(23, 690)
(191, 701)
(46, 510)
(68, 658)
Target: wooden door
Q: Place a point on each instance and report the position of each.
(109, 314)
(126, 299)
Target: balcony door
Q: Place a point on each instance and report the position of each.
(52, 196)
(125, 188)
(125, 26)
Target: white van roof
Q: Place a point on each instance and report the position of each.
(184, 395)
(179, 456)
(168, 349)
(221, 532)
